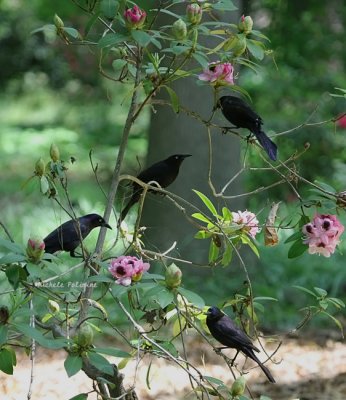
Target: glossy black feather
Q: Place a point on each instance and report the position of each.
(163, 172)
(230, 335)
(241, 115)
(66, 236)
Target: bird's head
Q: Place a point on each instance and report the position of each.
(96, 220)
(178, 158)
(214, 313)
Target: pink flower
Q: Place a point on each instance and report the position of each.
(248, 221)
(218, 73)
(127, 269)
(322, 234)
(135, 17)
(342, 122)
(35, 249)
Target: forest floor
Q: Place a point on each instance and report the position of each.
(304, 370)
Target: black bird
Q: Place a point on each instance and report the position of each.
(163, 172)
(240, 114)
(226, 332)
(66, 237)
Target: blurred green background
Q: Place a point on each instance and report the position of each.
(51, 92)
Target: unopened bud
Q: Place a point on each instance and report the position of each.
(238, 386)
(135, 17)
(173, 276)
(54, 152)
(58, 22)
(40, 167)
(245, 24)
(35, 249)
(53, 306)
(237, 44)
(194, 13)
(179, 29)
(85, 336)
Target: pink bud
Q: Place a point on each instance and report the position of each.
(35, 249)
(135, 17)
(194, 13)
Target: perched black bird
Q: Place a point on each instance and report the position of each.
(226, 332)
(66, 237)
(163, 172)
(239, 113)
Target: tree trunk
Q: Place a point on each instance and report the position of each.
(172, 133)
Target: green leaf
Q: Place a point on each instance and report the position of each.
(141, 37)
(90, 23)
(336, 321)
(11, 258)
(147, 276)
(192, 297)
(227, 214)
(112, 352)
(14, 274)
(73, 364)
(320, 292)
(227, 255)
(297, 249)
(305, 290)
(247, 240)
(255, 48)
(100, 278)
(109, 8)
(6, 361)
(13, 247)
(213, 252)
(33, 333)
(72, 32)
(119, 64)
(100, 363)
(174, 98)
(207, 202)
(336, 302)
(224, 5)
(111, 39)
(3, 334)
(44, 185)
(201, 217)
(164, 298)
(296, 236)
(201, 59)
(202, 235)
(81, 396)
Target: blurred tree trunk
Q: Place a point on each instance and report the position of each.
(172, 133)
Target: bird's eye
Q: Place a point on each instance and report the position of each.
(176, 157)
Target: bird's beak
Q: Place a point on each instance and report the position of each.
(107, 226)
(186, 155)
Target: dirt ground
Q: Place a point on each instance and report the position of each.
(303, 370)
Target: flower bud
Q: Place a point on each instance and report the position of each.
(85, 336)
(237, 44)
(53, 306)
(134, 17)
(245, 24)
(179, 29)
(58, 22)
(35, 250)
(40, 167)
(238, 386)
(173, 276)
(341, 199)
(194, 13)
(54, 152)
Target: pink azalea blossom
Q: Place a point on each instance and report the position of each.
(248, 220)
(341, 122)
(135, 17)
(218, 73)
(127, 269)
(322, 234)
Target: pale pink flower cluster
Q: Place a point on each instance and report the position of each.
(218, 73)
(248, 220)
(127, 269)
(135, 17)
(322, 234)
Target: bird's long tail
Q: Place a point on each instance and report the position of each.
(263, 368)
(268, 145)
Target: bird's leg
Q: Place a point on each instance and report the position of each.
(225, 129)
(232, 362)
